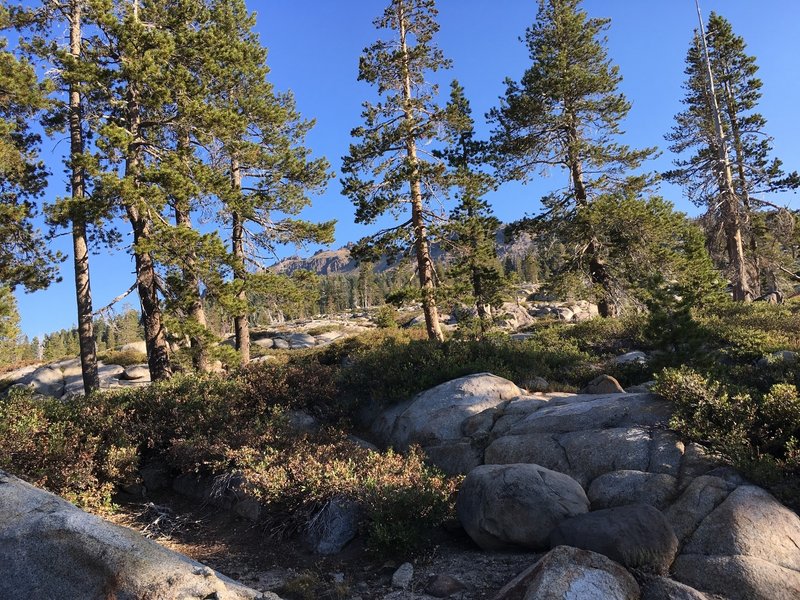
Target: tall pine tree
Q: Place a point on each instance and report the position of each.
(129, 147)
(753, 171)
(271, 174)
(387, 169)
(78, 77)
(24, 259)
(471, 232)
(565, 113)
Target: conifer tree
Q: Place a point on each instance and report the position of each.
(388, 169)
(191, 259)
(9, 327)
(565, 113)
(753, 172)
(24, 259)
(472, 228)
(77, 75)
(129, 143)
(270, 171)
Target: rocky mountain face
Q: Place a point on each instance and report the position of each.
(323, 262)
(340, 262)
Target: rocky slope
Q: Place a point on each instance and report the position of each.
(602, 498)
(601, 473)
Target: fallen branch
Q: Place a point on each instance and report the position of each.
(790, 273)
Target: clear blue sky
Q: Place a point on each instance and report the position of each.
(314, 48)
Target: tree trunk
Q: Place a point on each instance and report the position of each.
(80, 256)
(744, 189)
(422, 247)
(598, 272)
(240, 321)
(191, 280)
(154, 334)
(730, 211)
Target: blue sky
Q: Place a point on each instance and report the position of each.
(314, 47)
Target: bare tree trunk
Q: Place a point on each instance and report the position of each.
(240, 321)
(730, 211)
(154, 334)
(191, 280)
(744, 189)
(422, 247)
(80, 248)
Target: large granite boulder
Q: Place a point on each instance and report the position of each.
(747, 547)
(637, 536)
(567, 573)
(140, 347)
(511, 506)
(619, 488)
(47, 381)
(434, 418)
(663, 588)
(301, 340)
(51, 549)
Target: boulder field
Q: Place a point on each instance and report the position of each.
(619, 507)
(603, 474)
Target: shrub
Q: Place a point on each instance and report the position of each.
(756, 432)
(386, 317)
(42, 441)
(386, 368)
(404, 500)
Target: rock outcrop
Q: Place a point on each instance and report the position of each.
(727, 538)
(434, 419)
(636, 536)
(51, 549)
(567, 573)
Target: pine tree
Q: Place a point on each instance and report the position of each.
(270, 171)
(75, 71)
(565, 113)
(24, 259)
(387, 169)
(191, 259)
(128, 142)
(472, 228)
(10, 350)
(748, 148)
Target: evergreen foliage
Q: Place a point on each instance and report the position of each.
(261, 135)
(755, 172)
(566, 113)
(388, 169)
(471, 232)
(24, 258)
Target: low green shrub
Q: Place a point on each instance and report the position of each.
(44, 441)
(320, 329)
(214, 426)
(756, 432)
(389, 367)
(385, 317)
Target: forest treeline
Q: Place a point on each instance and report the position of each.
(171, 120)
